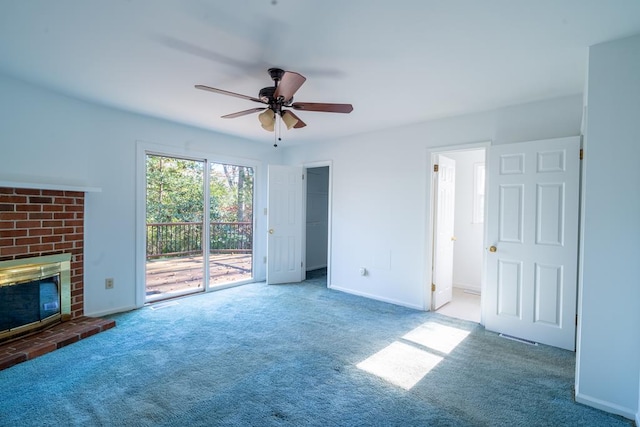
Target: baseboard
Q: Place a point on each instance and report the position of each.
(607, 406)
(316, 267)
(109, 312)
(467, 287)
(377, 298)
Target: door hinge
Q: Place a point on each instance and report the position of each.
(576, 320)
(303, 177)
(433, 287)
(581, 153)
(435, 168)
(301, 264)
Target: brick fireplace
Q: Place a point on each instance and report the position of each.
(42, 222)
(45, 222)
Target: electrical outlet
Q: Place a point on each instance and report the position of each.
(108, 283)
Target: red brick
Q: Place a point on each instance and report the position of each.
(6, 242)
(63, 230)
(52, 239)
(14, 250)
(6, 207)
(64, 245)
(52, 224)
(12, 199)
(28, 191)
(28, 208)
(68, 339)
(40, 200)
(39, 350)
(13, 216)
(88, 331)
(107, 324)
(40, 232)
(73, 208)
(64, 200)
(41, 248)
(9, 360)
(28, 224)
(53, 208)
(73, 237)
(13, 233)
(64, 215)
(52, 193)
(28, 241)
(40, 215)
(6, 190)
(78, 194)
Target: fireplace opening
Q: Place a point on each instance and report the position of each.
(34, 294)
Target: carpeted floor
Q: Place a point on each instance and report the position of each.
(294, 355)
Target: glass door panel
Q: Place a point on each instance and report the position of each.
(174, 227)
(231, 224)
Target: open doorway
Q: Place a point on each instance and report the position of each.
(458, 236)
(317, 222)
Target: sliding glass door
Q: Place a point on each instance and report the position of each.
(175, 203)
(231, 224)
(181, 196)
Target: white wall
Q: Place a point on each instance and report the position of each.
(380, 191)
(608, 354)
(48, 138)
(468, 248)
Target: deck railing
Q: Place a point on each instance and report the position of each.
(169, 239)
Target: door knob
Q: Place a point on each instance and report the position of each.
(454, 238)
(492, 249)
(271, 231)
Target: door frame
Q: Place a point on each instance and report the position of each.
(142, 149)
(312, 165)
(432, 155)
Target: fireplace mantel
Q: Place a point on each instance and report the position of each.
(49, 186)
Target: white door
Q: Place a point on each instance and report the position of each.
(444, 233)
(285, 222)
(532, 234)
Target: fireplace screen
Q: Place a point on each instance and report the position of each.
(33, 294)
(25, 303)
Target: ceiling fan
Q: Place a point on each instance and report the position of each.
(278, 97)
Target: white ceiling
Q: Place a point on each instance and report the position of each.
(398, 62)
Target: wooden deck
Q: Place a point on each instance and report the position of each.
(174, 276)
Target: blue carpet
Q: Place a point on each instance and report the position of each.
(288, 355)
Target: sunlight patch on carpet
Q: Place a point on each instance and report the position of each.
(438, 337)
(400, 364)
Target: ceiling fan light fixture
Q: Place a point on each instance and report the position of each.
(289, 120)
(267, 119)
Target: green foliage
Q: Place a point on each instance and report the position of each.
(175, 190)
(175, 194)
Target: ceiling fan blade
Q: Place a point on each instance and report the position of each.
(288, 85)
(318, 106)
(226, 92)
(243, 113)
(300, 123)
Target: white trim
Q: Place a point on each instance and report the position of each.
(41, 186)
(112, 311)
(606, 406)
